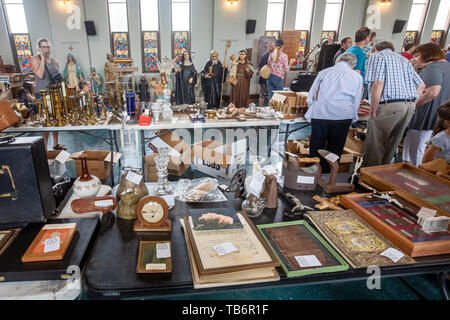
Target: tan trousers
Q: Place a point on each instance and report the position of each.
(386, 131)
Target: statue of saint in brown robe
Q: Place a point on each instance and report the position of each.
(240, 93)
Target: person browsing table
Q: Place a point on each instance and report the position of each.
(279, 65)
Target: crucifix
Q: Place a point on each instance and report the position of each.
(325, 203)
(70, 48)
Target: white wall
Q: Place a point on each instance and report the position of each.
(5, 48)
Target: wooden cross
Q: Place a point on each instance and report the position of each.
(328, 203)
(70, 48)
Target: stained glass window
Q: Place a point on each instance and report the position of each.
(180, 43)
(410, 37)
(181, 15)
(441, 24)
(330, 35)
(151, 50)
(22, 45)
(120, 45)
(436, 37)
(274, 34)
(301, 50)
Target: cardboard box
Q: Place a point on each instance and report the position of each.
(57, 162)
(177, 167)
(99, 162)
(217, 159)
(354, 144)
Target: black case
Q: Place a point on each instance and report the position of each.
(26, 194)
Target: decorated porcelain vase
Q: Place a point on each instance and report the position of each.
(86, 186)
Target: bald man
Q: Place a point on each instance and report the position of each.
(212, 76)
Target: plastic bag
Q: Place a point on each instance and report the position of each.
(199, 190)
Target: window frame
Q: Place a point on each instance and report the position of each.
(444, 33)
(421, 23)
(188, 31)
(308, 36)
(11, 37)
(144, 69)
(111, 33)
(341, 13)
(282, 22)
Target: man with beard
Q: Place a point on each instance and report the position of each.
(213, 75)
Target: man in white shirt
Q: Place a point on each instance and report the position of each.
(334, 100)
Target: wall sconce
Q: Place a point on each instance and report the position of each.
(232, 2)
(385, 3)
(64, 2)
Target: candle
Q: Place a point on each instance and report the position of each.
(63, 85)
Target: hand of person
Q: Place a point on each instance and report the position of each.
(41, 55)
(208, 76)
(191, 80)
(292, 62)
(225, 65)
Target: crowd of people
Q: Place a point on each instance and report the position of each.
(408, 94)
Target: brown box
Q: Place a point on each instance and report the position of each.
(99, 162)
(353, 144)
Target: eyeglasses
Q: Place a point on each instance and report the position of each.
(45, 47)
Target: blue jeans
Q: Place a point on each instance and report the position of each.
(274, 83)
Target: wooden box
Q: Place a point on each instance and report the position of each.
(398, 225)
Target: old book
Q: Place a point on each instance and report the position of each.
(355, 239)
(227, 279)
(301, 250)
(250, 249)
(51, 243)
(398, 225)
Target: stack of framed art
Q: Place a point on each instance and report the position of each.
(225, 249)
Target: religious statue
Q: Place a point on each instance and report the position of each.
(240, 92)
(110, 79)
(213, 75)
(144, 94)
(163, 88)
(72, 73)
(152, 85)
(96, 81)
(186, 79)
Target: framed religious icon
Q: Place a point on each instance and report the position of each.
(51, 243)
(356, 240)
(154, 257)
(229, 250)
(397, 224)
(301, 250)
(417, 186)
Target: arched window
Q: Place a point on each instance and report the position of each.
(18, 32)
(275, 18)
(441, 24)
(181, 27)
(150, 34)
(118, 23)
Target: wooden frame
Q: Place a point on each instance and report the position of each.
(30, 256)
(369, 176)
(413, 249)
(215, 271)
(342, 267)
(141, 264)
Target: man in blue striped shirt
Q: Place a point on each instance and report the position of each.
(394, 89)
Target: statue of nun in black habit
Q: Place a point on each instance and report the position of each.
(213, 75)
(186, 77)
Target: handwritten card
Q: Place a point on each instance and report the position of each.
(308, 261)
(162, 250)
(52, 244)
(393, 254)
(134, 177)
(224, 248)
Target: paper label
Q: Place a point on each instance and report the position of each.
(62, 156)
(306, 180)
(256, 185)
(425, 212)
(155, 266)
(393, 254)
(170, 199)
(224, 248)
(104, 203)
(332, 157)
(134, 177)
(162, 250)
(52, 244)
(308, 261)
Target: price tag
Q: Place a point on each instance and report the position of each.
(224, 248)
(104, 203)
(308, 261)
(393, 254)
(162, 250)
(256, 185)
(62, 156)
(134, 177)
(306, 180)
(425, 212)
(155, 266)
(52, 244)
(332, 157)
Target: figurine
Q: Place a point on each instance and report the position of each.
(72, 73)
(110, 79)
(152, 85)
(186, 79)
(96, 81)
(143, 90)
(213, 75)
(163, 88)
(240, 93)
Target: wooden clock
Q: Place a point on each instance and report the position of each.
(153, 215)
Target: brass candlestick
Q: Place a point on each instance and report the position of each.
(53, 119)
(91, 120)
(57, 100)
(47, 114)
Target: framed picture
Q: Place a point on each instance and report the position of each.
(154, 257)
(398, 225)
(250, 249)
(51, 243)
(415, 185)
(215, 219)
(301, 250)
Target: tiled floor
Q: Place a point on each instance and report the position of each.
(391, 289)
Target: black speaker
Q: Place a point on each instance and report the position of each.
(90, 28)
(399, 25)
(251, 26)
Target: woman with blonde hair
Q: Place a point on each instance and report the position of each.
(279, 65)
